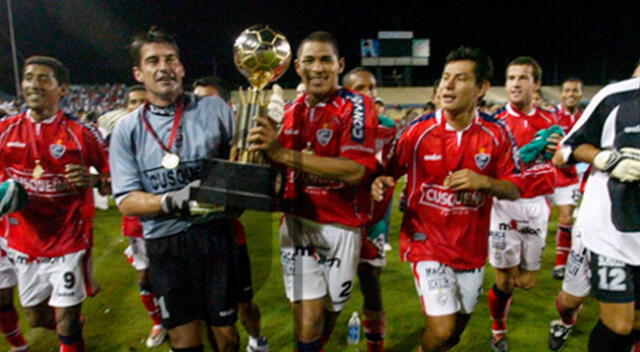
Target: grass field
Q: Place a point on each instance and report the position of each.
(116, 320)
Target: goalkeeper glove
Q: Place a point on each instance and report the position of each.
(275, 108)
(623, 165)
(12, 196)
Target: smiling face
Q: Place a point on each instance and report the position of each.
(521, 85)
(41, 90)
(161, 72)
(571, 94)
(459, 91)
(318, 66)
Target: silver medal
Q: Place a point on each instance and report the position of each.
(170, 161)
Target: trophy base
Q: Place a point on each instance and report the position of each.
(236, 185)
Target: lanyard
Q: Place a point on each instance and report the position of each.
(174, 129)
(34, 141)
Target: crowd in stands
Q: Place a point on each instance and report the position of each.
(88, 102)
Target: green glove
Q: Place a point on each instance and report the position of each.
(538, 145)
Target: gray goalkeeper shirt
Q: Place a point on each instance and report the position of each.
(135, 156)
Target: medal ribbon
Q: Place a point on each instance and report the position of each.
(174, 129)
(35, 139)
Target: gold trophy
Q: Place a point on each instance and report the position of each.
(262, 55)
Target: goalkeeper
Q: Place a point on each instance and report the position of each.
(608, 137)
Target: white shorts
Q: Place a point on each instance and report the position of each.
(568, 195)
(444, 290)
(136, 253)
(577, 274)
(66, 280)
(518, 233)
(319, 260)
(7, 271)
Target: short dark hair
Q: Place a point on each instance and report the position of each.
(153, 35)
(134, 88)
(528, 60)
(483, 65)
(320, 37)
(573, 79)
(434, 90)
(60, 72)
(215, 82)
(346, 78)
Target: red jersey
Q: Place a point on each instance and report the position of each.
(537, 178)
(342, 127)
(385, 135)
(566, 176)
(59, 216)
(131, 226)
(440, 224)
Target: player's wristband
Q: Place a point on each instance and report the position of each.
(164, 203)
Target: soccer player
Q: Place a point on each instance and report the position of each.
(157, 153)
(455, 161)
(567, 191)
(519, 228)
(372, 255)
(50, 240)
(248, 310)
(327, 144)
(606, 136)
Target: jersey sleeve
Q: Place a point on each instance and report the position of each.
(97, 149)
(358, 138)
(125, 174)
(398, 160)
(508, 165)
(228, 126)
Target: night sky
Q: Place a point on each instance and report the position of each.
(598, 44)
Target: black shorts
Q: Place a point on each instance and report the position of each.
(614, 281)
(245, 286)
(193, 275)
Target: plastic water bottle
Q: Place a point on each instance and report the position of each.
(353, 332)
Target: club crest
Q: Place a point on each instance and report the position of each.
(324, 136)
(57, 150)
(482, 160)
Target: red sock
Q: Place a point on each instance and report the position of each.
(374, 332)
(499, 303)
(10, 327)
(563, 244)
(71, 343)
(150, 303)
(568, 316)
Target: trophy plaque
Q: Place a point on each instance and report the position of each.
(246, 181)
